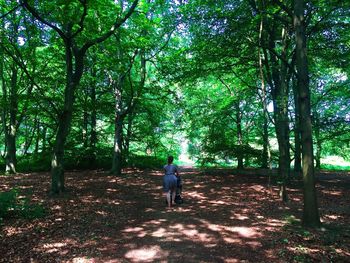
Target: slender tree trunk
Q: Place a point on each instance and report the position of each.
(280, 103)
(37, 138)
(128, 135)
(85, 126)
(30, 134)
(265, 162)
(240, 164)
(117, 154)
(10, 156)
(311, 216)
(93, 121)
(43, 137)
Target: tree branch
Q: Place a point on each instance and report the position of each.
(83, 16)
(42, 20)
(9, 12)
(116, 25)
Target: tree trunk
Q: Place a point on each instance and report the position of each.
(311, 216)
(37, 137)
(297, 142)
(10, 156)
(93, 132)
(128, 135)
(240, 164)
(117, 154)
(85, 126)
(43, 137)
(318, 141)
(65, 117)
(57, 163)
(280, 102)
(265, 160)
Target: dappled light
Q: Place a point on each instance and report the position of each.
(224, 218)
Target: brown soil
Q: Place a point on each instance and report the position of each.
(227, 216)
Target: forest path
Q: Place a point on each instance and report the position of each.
(227, 216)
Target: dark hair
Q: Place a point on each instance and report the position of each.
(170, 159)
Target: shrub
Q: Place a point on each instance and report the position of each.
(8, 202)
(11, 206)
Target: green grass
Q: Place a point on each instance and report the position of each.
(335, 163)
(334, 167)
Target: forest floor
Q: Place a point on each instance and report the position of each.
(227, 216)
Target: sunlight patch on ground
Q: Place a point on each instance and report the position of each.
(133, 229)
(218, 202)
(82, 260)
(244, 231)
(146, 254)
(257, 188)
(231, 260)
(195, 194)
(239, 217)
(161, 232)
(231, 240)
(56, 247)
(10, 231)
(333, 217)
(332, 192)
(102, 213)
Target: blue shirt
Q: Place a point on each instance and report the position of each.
(170, 169)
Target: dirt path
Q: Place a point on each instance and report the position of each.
(226, 217)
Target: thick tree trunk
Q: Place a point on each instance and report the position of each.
(65, 118)
(297, 142)
(57, 163)
(311, 216)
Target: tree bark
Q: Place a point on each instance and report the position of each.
(318, 141)
(280, 92)
(128, 135)
(297, 142)
(265, 160)
(10, 155)
(93, 122)
(240, 164)
(311, 216)
(117, 154)
(73, 76)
